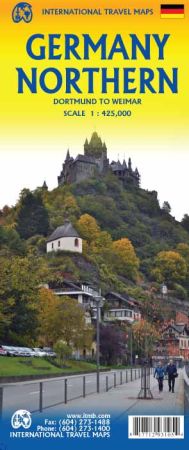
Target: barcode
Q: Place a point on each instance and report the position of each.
(170, 427)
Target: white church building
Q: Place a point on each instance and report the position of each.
(64, 238)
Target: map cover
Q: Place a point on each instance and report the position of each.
(94, 224)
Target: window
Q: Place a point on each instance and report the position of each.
(58, 243)
(52, 246)
(76, 242)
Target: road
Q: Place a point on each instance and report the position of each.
(25, 395)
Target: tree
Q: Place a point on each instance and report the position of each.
(18, 299)
(48, 311)
(63, 352)
(112, 344)
(170, 267)
(88, 227)
(145, 336)
(10, 239)
(32, 216)
(126, 261)
(102, 243)
(62, 319)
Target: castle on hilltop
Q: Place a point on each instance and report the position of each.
(93, 161)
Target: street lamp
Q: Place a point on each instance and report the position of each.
(98, 300)
(131, 346)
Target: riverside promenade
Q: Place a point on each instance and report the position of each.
(123, 400)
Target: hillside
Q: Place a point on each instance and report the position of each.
(116, 212)
(130, 212)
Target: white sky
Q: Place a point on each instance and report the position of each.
(163, 171)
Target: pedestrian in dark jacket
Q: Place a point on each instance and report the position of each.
(159, 374)
(172, 374)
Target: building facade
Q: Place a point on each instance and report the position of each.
(93, 161)
(175, 339)
(64, 238)
(120, 308)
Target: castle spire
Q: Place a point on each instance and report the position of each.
(44, 186)
(124, 164)
(130, 164)
(67, 155)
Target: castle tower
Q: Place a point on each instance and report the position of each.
(130, 164)
(95, 148)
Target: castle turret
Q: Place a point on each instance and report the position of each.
(130, 164)
(45, 187)
(95, 161)
(86, 146)
(67, 155)
(124, 165)
(95, 147)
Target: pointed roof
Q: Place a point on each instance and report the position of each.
(119, 164)
(45, 185)
(68, 154)
(66, 230)
(95, 141)
(129, 163)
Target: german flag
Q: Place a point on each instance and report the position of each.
(172, 11)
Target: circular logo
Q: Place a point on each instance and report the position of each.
(21, 418)
(22, 11)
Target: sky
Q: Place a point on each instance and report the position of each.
(34, 132)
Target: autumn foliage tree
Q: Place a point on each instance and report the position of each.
(88, 228)
(62, 319)
(126, 261)
(170, 267)
(145, 336)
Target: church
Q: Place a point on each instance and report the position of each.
(94, 161)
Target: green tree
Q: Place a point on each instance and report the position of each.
(63, 352)
(32, 216)
(10, 239)
(18, 299)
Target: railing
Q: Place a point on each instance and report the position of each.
(186, 388)
(39, 395)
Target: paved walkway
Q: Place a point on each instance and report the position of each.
(123, 400)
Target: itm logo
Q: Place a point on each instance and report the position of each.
(21, 418)
(22, 11)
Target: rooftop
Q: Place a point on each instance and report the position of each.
(66, 230)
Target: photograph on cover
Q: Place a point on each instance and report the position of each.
(94, 224)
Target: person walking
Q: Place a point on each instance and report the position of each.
(171, 370)
(159, 374)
